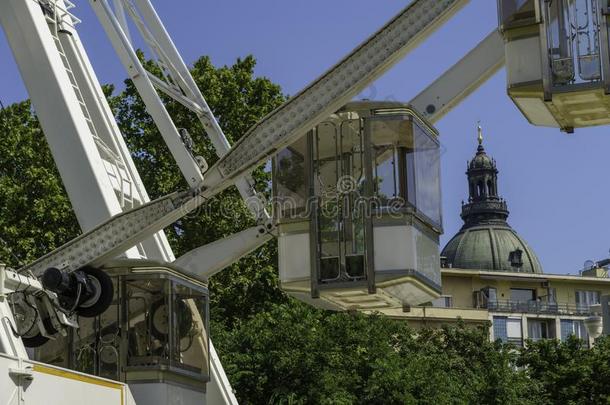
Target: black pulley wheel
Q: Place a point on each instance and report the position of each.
(103, 296)
(34, 341)
(160, 323)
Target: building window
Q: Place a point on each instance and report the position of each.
(584, 299)
(444, 301)
(522, 295)
(486, 298)
(551, 295)
(499, 325)
(573, 327)
(540, 329)
(513, 328)
(508, 330)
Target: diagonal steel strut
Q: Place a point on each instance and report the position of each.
(336, 87)
(277, 130)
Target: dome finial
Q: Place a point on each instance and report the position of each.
(479, 133)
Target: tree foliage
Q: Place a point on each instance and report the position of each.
(299, 355)
(570, 372)
(35, 213)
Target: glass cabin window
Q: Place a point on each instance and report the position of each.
(109, 343)
(290, 181)
(147, 322)
(96, 342)
(339, 184)
(190, 338)
(390, 139)
(84, 356)
(386, 174)
(407, 165)
(573, 40)
(515, 12)
(167, 325)
(427, 175)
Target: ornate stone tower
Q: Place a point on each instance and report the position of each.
(484, 205)
(487, 241)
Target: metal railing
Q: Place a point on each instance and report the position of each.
(515, 341)
(536, 307)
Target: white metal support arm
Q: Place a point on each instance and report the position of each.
(181, 86)
(461, 79)
(335, 88)
(245, 184)
(189, 167)
(209, 259)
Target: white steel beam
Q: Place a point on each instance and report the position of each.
(209, 259)
(154, 23)
(461, 79)
(335, 88)
(119, 11)
(116, 234)
(173, 60)
(174, 93)
(154, 105)
(59, 112)
(220, 391)
(9, 343)
(157, 247)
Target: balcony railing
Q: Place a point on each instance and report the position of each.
(515, 341)
(537, 307)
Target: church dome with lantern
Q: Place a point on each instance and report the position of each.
(487, 241)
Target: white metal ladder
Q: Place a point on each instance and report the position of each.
(113, 162)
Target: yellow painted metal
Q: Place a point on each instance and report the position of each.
(80, 377)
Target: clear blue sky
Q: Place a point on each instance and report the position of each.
(556, 184)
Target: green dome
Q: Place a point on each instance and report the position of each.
(490, 247)
(486, 241)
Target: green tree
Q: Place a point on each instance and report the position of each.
(35, 213)
(238, 100)
(569, 372)
(296, 354)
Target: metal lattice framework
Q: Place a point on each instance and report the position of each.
(116, 218)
